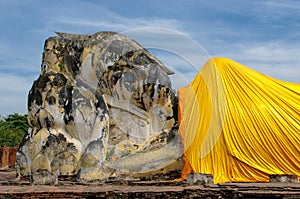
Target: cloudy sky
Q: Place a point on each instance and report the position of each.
(261, 34)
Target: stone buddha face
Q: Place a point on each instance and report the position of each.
(101, 97)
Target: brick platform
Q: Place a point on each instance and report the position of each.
(143, 189)
(8, 156)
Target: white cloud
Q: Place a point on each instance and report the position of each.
(280, 60)
(286, 4)
(85, 19)
(122, 24)
(171, 41)
(13, 83)
(14, 90)
(277, 13)
(266, 51)
(91, 23)
(21, 59)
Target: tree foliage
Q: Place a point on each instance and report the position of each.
(12, 129)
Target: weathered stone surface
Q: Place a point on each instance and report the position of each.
(284, 178)
(200, 179)
(102, 106)
(44, 178)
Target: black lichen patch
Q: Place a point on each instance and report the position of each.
(59, 80)
(57, 144)
(34, 96)
(66, 101)
(51, 100)
(102, 105)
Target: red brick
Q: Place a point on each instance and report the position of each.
(8, 156)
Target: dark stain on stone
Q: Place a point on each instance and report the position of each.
(51, 100)
(101, 104)
(59, 80)
(34, 96)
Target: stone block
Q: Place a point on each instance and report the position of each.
(44, 178)
(200, 179)
(284, 178)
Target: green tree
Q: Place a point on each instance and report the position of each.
(12, 129)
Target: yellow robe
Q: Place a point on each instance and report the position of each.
(239, 125)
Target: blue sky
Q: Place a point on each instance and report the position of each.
(261, 34)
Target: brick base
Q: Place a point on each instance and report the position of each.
(8, 156)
